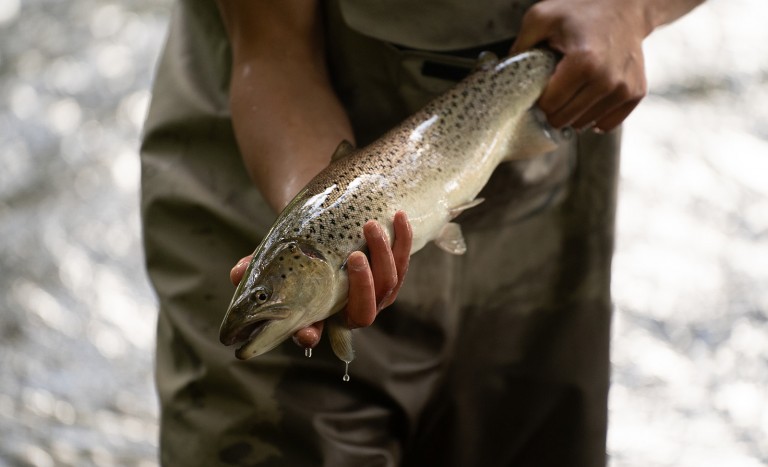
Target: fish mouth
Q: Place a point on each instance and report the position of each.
(245, 334)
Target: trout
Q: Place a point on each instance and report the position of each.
(432, 166)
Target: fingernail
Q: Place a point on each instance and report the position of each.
(372, 229)
(357, 262)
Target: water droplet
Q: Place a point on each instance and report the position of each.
(308, 352)
(346, 371)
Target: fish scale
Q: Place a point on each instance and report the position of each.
(432, 166)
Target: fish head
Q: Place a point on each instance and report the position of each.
(283, 290)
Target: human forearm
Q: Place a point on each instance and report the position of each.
(287, 126)
(661, 12)
(287, 122)
(286, 116)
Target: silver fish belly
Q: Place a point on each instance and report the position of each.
(432, 166)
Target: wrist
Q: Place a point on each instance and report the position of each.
(657, 13)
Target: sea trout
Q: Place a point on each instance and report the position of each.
(432, 166)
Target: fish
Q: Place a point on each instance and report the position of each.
(432, 166)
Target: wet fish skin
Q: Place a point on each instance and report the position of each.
(432, 166)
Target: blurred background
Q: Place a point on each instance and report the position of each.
(77, 316)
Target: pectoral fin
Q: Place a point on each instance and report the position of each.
(342, 150)
(451, 240)
(341, 339)
(463, 207)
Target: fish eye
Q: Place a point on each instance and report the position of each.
(259, 296)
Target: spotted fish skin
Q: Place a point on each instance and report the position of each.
(432, 166)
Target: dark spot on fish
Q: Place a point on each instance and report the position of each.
(282, 275)
(281, 258)
(357, 223)
(330, 236)
(296, 257)
(290, 269)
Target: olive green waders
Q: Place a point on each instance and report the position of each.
(495, 358)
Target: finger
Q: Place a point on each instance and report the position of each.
(585, 100)
(401, 252)
(568, 80)
(361, 301)
(236, 274)
(309, 337)
(534, 28)
(382, 261)
(614, 119)
(622, 94)
(598, 111)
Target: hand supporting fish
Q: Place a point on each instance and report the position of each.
(432, 166)
(373, 285)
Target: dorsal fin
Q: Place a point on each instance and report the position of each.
(342, 150)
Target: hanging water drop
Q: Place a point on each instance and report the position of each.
(346, 372)
(308, 352)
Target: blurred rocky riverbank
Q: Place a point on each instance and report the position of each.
(77, 316)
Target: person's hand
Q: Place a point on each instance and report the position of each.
(601, 77)
(372, 287)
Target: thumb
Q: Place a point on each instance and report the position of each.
(534, 29)
(236, 274)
